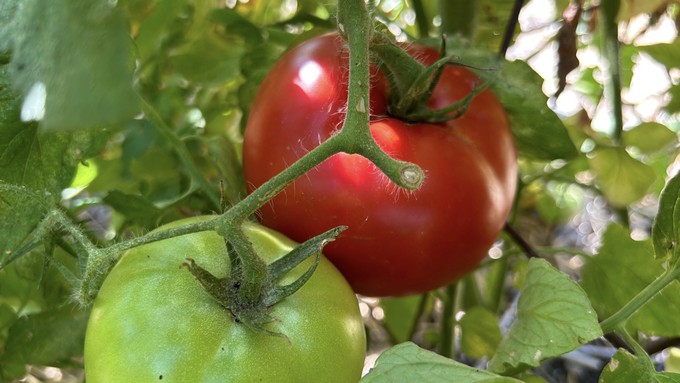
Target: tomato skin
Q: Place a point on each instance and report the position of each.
(398, 242)
(152, 321)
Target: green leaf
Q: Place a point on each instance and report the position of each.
(554, 316)
(622, 179)
(407, 362)
(19, 286)
(627, 368)
(674, 104)
(666, 228)
(209, 61)
(223, 158)
(527, 377)
(156, 26)
(235, 24)
(8, 10)
(78, 54)
(134, 207)
(620, 270)
(47, 338)
(650, 137)
(490, 21)
(673, 360)
(480, 332)
(21, 211)
(539, 133)
(667, 377)
(30, 285)
(44, 161)
(401, 315)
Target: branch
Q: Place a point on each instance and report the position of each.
(520, 241)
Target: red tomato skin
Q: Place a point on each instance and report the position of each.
(398, 242)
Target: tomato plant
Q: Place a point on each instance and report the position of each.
(397, 242)
(153, 321)
(596, 204)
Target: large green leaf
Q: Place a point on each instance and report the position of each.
(71, 60)
(43, 160)
(620, 270)
(554, 316)
(407, 362)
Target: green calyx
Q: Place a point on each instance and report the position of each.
(235, 292)
(412, 84)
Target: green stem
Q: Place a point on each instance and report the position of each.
(58, 216)
(611, 55)
(495, 283)
(99, 259)
(644, 296)
(448, 321)
(182, 152)
(458, 17)
(422, 22)
(633, 343)
(122, 246)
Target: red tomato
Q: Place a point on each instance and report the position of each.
(398, 242)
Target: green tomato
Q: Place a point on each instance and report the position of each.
(152, 321)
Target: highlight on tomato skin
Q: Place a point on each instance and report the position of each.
(398, 242)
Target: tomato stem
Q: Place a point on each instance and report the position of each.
(422, 21)
(611, 55)
(448, 323)
(650, 291)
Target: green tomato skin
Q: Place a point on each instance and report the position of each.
(153, 322)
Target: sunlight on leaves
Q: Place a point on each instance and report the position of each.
(650, 137)
(622, 178)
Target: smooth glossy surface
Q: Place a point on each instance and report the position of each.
(153, 322)
(398, 242)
